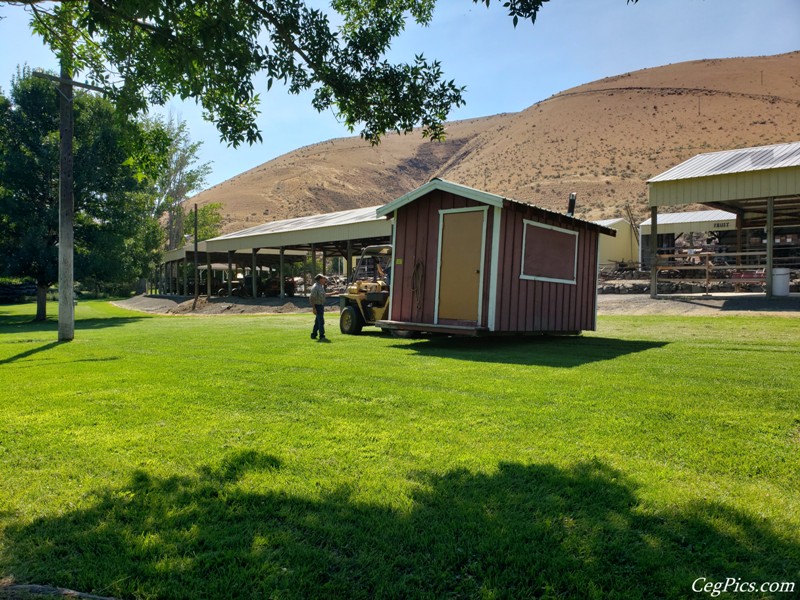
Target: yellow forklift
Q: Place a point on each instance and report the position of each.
(366, 298)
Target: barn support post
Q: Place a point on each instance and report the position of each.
(739, 238)
(209, 273)
(654, 252)
(196, 264)
(349, 259)
(253, 272)
(770, 242)
(185, 276)
(324, 261)
(230, 272)
(280, 273)
(304, 271)
(313, 260)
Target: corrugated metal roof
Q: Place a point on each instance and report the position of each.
(734, 161)
(693, 216)
(344, 217)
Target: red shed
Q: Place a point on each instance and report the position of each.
(470, 262)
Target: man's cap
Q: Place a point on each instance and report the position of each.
(319, 276)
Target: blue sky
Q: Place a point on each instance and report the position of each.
(504, 69)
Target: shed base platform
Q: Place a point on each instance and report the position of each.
(429, 328)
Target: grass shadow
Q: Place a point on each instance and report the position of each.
(24, 323)
(546, 351)
(522, 531)
(786, 304)
(29, 352)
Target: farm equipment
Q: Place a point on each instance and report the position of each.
(242, 286)
(366, 298)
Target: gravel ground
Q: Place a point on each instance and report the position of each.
(607, 304)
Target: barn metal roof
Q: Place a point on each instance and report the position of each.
(741, 160)
(695, 220)
(693, 216)
(355, 224)
(265, 255)
(343, 217)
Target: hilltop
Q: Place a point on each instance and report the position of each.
(603, 140)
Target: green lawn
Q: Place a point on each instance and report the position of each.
(232, 457)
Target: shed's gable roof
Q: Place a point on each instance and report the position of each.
(445, 186)
(478, 196)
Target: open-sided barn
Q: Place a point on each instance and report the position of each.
(470, 262)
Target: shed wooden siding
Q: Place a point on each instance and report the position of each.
(417, 240)
(541, 306)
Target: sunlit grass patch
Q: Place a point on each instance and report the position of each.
(186, 457)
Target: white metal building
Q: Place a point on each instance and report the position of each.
(761, 186)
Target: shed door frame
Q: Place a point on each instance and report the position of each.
(442, 213)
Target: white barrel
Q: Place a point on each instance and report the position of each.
(780, 282)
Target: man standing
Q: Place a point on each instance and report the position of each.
(317, 299)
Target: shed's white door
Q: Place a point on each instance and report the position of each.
(460, 268)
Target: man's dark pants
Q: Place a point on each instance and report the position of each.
(319, 321)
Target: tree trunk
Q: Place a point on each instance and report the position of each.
(41, 302)
(141, 286)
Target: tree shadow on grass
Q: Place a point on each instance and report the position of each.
(24, 323)
(545, 351)
(28, 353)
(523, 531)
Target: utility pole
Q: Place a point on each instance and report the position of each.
(196, 266)
(66, 200)
(66, 211)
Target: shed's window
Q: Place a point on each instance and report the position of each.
(549, 253)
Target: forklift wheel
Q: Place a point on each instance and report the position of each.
(350, 321)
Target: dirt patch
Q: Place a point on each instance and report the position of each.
(607, 304)
(182, 305)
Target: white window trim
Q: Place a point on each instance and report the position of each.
(442, 212)
(394, 263)
(495, 269)
(522, 275)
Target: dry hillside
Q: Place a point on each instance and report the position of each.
(602, 140)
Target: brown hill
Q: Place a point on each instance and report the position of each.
(602, 140)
